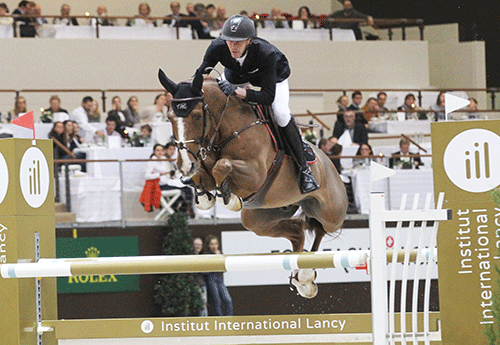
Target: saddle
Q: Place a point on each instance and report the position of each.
(265, 114)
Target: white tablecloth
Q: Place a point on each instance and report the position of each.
(6, 31)
(114, 32)
(306, 34)
(405, 181)
(402, 127)
(93, 199)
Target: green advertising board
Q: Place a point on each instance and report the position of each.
(82, 247)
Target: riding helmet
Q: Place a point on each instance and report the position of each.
(238, 28)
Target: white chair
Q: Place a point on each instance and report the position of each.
(168, 197)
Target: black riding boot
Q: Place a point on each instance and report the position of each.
(307, 182)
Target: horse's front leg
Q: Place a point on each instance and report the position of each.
(202, 183)
(220, 172)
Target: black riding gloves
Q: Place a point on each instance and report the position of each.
(226, 87)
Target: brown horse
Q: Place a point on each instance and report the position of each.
(224, 147)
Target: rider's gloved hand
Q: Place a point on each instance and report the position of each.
(226, 87)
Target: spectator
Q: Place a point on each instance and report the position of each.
(200, 28)
(370, 110)
(4, 11)
(26, 23)
(102, 17)
(80, 115)
(215, 280)
(325, 145)
(343, 104)
(111, 131)
(438, 108)
(118, 115)
(348, 12)
(175, 18)
(65, 18)
(131, 113)
(304, 14)
(381, 100)
(209, 13)
(143, 139)
(364, 150)
(350, 132)
(94, 114)
(19, 109)
(355, 106)
(71, 143)
(57, 132)
(76, 134)
(54, 112)
(157, 112)
(472, 109)
(219, 20)
(405, 162)
(276, 20)
(39, 20)
(200, 277)
(143, 18)
(409, 107)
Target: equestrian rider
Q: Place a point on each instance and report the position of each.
(250, 59)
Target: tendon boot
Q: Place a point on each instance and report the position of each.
(307, 182)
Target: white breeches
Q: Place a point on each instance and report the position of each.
(281, 108)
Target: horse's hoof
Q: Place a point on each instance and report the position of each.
(309, 290)
(234, 204)
(205, 201)
(307, 275)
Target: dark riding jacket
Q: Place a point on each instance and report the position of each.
(264, 66)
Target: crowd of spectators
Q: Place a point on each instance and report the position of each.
(202, 19)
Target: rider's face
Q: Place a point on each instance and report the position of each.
(238, 48)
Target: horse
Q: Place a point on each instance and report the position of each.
(224, 147)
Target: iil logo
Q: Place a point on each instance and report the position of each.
(147, 326)
(469, 160)
(4, 178)
(34, 177)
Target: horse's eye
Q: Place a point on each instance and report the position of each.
(197, 116)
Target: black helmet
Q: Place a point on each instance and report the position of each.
(238, 28)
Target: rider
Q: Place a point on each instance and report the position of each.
(250, 59)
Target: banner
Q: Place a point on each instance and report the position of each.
(467, 168)
(97, 247)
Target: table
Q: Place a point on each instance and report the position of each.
(272, 34)
(405, 181)
(401, 127)
(59, 31)
(6, 31)
(93, 199)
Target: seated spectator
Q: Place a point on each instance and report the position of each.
(111, 129)
(57, 132)
(131, 113)
(370, 110)
(348, 12)
(39, 20)
(355, 106)
(343, 104)
(438, 108)
(157, 112)
(405, 162)
(364, 150)
(200, 28)
(304, 14)
(76, 134)
(350, 132)
(4, 11)
(118, 115)
(65, 18)
(19, 109)
(175, 18)
(209, 14)
(143, 18)
(54, 112)
(102, 17)
(409, 107)
(94, 114)
(381, 100)
(80, 115)
(219, 20)
(472, 109)
(325, 145)
(71, 143)
(143, 139)
(276, 20)
(26, 23)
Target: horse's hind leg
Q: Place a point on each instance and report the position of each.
(319, 232)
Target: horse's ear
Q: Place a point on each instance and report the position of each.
(168, 84)
(197, 82)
